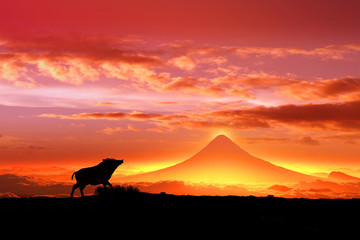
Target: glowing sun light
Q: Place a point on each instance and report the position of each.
(223, 131)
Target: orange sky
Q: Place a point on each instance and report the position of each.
(154, 81)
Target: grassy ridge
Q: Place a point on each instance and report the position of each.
(134, 210)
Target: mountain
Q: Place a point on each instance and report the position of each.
(342, 177)
(222, 161)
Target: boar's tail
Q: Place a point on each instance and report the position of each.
(72, 176)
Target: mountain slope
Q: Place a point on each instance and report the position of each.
(342, 177)
(222, 161)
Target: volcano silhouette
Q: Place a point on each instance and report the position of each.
(222, 161)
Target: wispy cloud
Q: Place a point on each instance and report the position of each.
(143, 66)
(334, 116)
(343, 89)
(72, 58)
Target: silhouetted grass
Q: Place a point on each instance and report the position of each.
(119, 191)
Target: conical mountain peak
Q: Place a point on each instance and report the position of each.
(223, 161)
(222, 145)
(221, 138)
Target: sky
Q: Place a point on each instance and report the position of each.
(152, 82)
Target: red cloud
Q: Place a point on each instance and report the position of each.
(181, 83)
(308, 141)
(332, 89)
(73, 58)
(30, 186)
(108, 115)
(96, 47)
(339, 116)
(342, 116)
(181, 188)
(76, 58)
(327, 52)
(335, 52)
(280, 188)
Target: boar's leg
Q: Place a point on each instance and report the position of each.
(73, 189)
(81, 190)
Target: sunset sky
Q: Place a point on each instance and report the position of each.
(152, 82)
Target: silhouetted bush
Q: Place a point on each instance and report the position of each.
(118, 191)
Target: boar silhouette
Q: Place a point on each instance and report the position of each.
(99, 174)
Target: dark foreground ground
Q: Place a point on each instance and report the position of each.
(142, 215)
